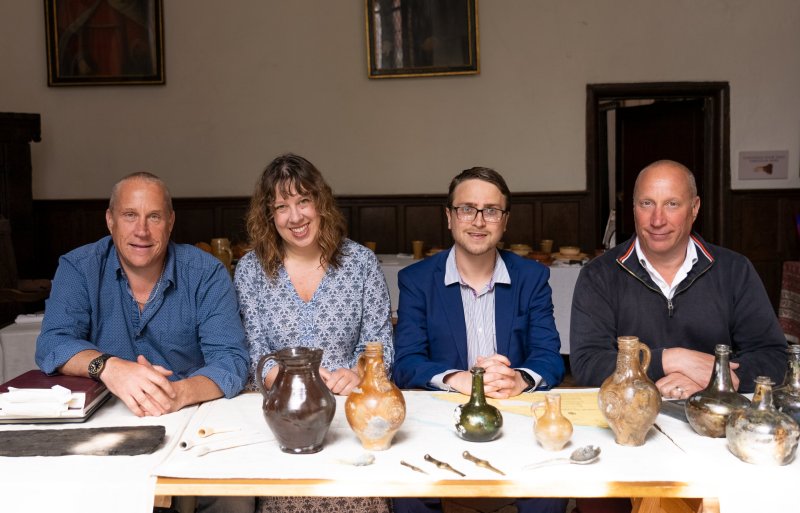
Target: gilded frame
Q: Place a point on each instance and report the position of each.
(105, 43)
(415, 38)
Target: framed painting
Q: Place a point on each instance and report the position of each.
(413, 38)
(102, 42)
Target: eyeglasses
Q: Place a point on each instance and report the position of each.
(468, 214)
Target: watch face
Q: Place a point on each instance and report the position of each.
(96, 366)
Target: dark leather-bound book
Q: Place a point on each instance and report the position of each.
(87, 396)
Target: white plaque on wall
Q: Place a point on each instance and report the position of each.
(763, 165)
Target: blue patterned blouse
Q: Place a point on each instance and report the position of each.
(349, 308)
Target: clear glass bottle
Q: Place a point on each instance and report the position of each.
(761, 434)
(708, 410)
(787, 396)
(552, 429)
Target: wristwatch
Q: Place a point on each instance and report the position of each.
(528, 379)
(97, 365)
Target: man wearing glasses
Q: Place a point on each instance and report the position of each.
(477, 306)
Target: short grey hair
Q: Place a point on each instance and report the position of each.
(145, 177)
(669, 163)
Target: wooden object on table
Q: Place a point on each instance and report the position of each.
(105, 441)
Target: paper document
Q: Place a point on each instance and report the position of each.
(579, 407)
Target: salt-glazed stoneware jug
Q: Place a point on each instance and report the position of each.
(299, 407)
(708, 410)
(376, 408)
(552, 429)
(476, 420)
(628, 399)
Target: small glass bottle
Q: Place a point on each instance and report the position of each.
(761, 434)
(787, 396)
(552, 429)
(477, 420)
(708, 410)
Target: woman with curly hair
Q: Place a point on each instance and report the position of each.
(306, 284)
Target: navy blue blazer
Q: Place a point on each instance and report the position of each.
(431, 334)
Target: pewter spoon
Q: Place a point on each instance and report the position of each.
(580, 456)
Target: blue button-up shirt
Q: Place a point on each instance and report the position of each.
(191, 325)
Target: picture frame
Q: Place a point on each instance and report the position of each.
(416, 38)
(104, 43)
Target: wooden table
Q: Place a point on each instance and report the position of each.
(687, 466)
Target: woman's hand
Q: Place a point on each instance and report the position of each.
(341, 381)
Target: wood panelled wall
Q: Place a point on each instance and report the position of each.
(760, 224)
(391, 221)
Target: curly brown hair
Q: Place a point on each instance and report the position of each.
(292, 173)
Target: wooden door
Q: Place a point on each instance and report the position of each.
(667, 129)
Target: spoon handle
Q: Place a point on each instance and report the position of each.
(546, 463)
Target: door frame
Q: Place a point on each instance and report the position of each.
(716, 154)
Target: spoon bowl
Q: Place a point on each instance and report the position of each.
(583, 455)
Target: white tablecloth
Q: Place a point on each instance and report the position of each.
(679, 456)
(17, 349)
(84, 484)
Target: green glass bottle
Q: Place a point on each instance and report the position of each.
(477, 420)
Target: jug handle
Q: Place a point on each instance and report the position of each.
(535, 406)
(361, 365)
(259, 371)
(645, 356)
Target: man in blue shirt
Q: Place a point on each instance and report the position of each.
(157, 322)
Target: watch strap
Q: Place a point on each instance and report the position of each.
(528, 379)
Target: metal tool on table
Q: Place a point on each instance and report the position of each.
(442, 465)
(412, 467)
(481, 463)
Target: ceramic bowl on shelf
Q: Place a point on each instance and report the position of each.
(521, 249)
(569, 250)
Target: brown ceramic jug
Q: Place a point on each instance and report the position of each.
(376, 408)
(552, 429)
(299, 407)
(628, 399)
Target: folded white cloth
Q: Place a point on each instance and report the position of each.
(37, 402)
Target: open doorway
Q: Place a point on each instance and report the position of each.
(631, 125)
